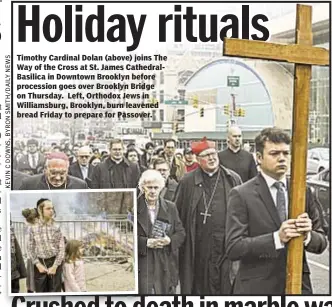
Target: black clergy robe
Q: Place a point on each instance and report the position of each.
(203, 267)
(241, 162)
(210, 236)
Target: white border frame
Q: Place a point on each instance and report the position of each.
(74, 293)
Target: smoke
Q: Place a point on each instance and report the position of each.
(69, 205)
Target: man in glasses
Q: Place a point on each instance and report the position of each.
(168, 192)
(82, 168)
(55, 176)
(116, 172)
(201, 199)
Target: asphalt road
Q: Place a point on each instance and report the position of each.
(320, 271)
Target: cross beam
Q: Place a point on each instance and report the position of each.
(304, 55)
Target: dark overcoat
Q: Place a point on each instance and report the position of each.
(23, 164)
(251, 221)
(103, 175)
(18, 179)
(188, 195)
(18, 269)
(38, 182)
(75, 170)
(158, 267)
(168, 192)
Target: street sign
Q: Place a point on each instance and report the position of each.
(233, 81)
(176, 102)
(152, 125)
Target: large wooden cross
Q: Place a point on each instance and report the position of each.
(303, 55)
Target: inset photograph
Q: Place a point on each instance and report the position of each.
(72, 241)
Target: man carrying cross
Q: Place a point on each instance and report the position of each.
(201, 198)
(259, 229)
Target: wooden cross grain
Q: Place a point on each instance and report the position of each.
(303, 55)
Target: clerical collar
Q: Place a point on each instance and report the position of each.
(234, 151)
(271, 181)
(116, 162)
(211, 174)
(52, 187)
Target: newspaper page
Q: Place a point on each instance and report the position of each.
(146, 155)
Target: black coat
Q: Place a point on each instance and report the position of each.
(158, 268)
(38, 182)
(75, 170)
(18, 269)
(23, 164)
(242, 163)
(251, 221)
(188, 195)
(102, 175)
(18, 179)
(168, 192)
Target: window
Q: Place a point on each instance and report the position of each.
(161, 96)
(161, 115)
(326, 176)
(162, 77)
(180, 115)
(314, 156)
(182, 94)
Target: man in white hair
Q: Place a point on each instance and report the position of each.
(160, 234)
(82, 169)
(55, 176)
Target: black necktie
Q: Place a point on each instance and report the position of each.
(281, 200)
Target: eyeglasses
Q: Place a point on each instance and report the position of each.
(212, 154)
(86, 157)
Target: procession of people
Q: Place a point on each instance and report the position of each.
(208, 222)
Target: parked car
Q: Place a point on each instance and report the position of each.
(320, 188)
(318, 160)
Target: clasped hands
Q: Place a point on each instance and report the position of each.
(294, 228)
(158, 242)
(42, 269)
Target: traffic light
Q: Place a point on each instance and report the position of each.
(201, 112)
(195, 102)
(236, 112)
(242, 112)
(226, 109)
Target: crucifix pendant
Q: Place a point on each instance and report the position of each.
(206, 214)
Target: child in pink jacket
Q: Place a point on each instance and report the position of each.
(73, 270)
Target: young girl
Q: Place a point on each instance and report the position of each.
(73, 270)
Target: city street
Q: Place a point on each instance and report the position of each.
(320, 273)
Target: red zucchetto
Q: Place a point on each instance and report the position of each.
(58, 156)
(202, 145)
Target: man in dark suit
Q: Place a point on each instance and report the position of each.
(116, 171)
(258, 229)
(33, 161)
(55, 176)
(82, 169)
